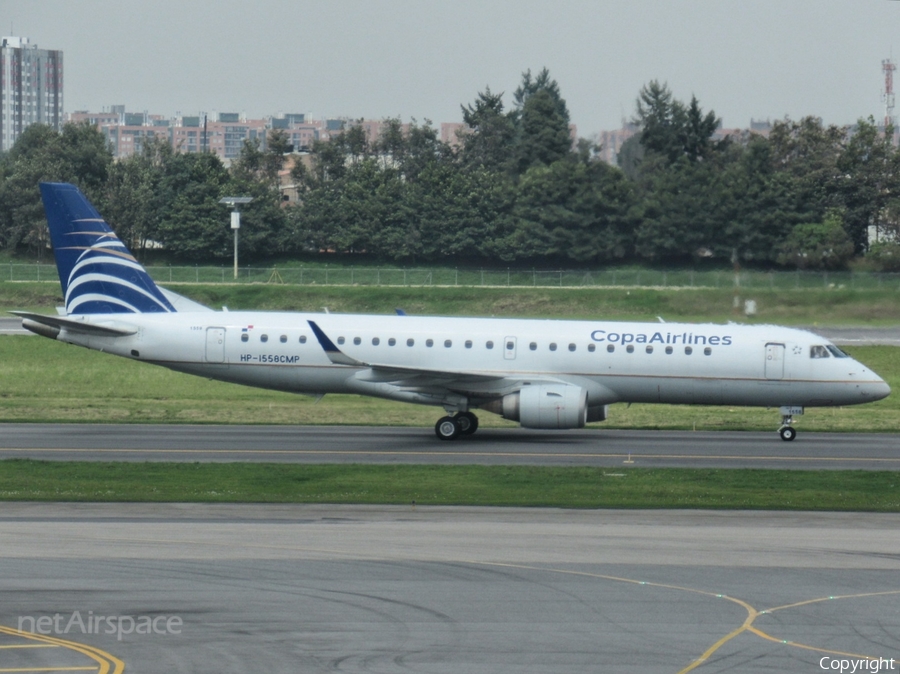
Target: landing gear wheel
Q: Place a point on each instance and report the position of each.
(787, 433)
(468, 422)
(447, 428)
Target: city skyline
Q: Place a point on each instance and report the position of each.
(399, 58)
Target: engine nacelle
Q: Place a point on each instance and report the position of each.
(545, 406)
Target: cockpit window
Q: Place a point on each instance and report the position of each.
(818, 351)
(836, 352)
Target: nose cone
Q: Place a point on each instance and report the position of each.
(876, 390)
(869, 386)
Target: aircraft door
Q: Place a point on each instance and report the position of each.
(215, 345)
(774, 361)
(509, 348)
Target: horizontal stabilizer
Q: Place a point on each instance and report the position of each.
(106, 329)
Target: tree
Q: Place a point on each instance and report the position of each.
(489, 141)
(697, 131)
(79, 154)
(657, 115)
(254, 163)
(818, 245)
(574, 209)
(671, 129)
(808, 152)
(682, 211)
(868, 177)
(134, 193)
(193, 224)
(542, 122)
(761, 205)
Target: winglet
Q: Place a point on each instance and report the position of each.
(335, 355)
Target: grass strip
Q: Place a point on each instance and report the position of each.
(838, 306)
(529, 486)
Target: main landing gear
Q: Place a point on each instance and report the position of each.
(461, 423)
(787, 431)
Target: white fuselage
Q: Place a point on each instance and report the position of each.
(614, 362)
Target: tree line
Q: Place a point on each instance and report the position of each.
(514, 189)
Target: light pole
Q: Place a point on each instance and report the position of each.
(235, 222)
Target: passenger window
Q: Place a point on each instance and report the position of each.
(341, 340)
(410, 341)
(447, 343)
(630, 348)
(429, 343)
(357, 341)
(489, 345)
(553, 346)
(669, 349)
(533, 346)
(707, 351)
(571, 347)
(818, 351)
(375, 341)
(649, 349)
(468, 343)
(610, 348)
(510, 346)
(245, 337)
(283, 339)
(392, 341)
(688, 350)
(264, 338)
(592, 347)
(303, 339)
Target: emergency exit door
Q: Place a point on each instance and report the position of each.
(774, 361)
(215, 345)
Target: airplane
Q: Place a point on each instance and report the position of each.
(545, 374)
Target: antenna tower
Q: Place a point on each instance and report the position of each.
(888, 67)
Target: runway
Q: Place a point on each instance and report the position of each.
(434, 590)
(355, 444)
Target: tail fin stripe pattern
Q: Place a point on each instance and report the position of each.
(88, 298)
(98, 274)
(74, 298)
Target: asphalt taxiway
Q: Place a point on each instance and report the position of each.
(356, 444)
(434, 590)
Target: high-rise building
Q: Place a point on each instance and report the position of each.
(31, 88)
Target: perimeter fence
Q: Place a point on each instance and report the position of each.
(534, 278)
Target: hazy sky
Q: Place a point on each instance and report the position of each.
(423, 58)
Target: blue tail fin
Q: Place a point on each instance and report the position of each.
(97, 272)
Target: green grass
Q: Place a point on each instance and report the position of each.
(28, 480)
(46, 381)
(790, 307)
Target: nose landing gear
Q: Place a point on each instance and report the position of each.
(787, 431)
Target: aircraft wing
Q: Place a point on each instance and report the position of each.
(108, 329)
(419, 378)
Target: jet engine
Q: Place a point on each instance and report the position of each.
(544, 406)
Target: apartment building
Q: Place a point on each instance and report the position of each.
(31, 88)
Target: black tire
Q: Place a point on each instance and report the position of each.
(787, 433)
(468, 422)
(447, 428)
